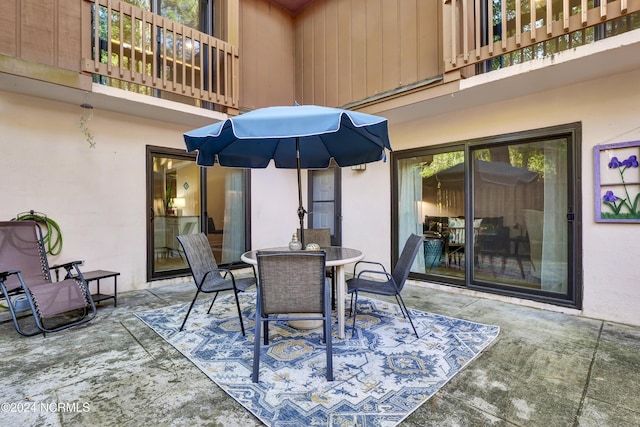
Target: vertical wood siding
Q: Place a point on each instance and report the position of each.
(9, 27)
(349, 50)
(266, 46)
(42, 31)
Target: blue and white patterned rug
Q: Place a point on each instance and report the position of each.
(382, 373)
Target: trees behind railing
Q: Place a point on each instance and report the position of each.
(134, 49)
(498, 33)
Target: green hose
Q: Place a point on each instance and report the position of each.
(52, 237)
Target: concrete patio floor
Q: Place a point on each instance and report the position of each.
(545, 369)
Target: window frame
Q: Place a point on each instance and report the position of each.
(153, 151)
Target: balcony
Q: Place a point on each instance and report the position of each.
(118, 45)
(129, 48)
(482, 36)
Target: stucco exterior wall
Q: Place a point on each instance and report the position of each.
(96, 195)
(608, 111)
(366, 216)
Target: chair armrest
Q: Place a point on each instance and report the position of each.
(376, 272)
(67, 266)
(5, 274)
(355, 267)
(223, 271)
(388, 276)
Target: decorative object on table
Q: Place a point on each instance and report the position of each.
(295, 244)
(295, 137)
(313, 247)
(617, 182)
(381, 375)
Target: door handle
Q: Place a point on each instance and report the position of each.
(570, 215)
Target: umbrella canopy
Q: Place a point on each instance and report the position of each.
(252, 139)
(294, 137)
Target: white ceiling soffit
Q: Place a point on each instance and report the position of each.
(111, 99)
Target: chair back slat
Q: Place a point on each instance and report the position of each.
(321, 236)
(21, 249)
(199, 256)
(406, 259)
(291, 281)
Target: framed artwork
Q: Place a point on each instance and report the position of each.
(617, 182)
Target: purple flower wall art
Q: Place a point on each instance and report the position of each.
(617, 182)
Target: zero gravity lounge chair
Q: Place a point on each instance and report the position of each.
(25, 281)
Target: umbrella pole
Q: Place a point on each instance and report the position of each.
(301, 210)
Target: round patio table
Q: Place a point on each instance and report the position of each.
(337, 257)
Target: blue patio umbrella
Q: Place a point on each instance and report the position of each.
(294, 137)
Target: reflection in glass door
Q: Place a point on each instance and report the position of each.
(226, 213)
(521, 204)
(175, 210)
(325, 201)
(432, 203)
(496, 213)
(183, 198)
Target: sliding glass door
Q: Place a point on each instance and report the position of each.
(521, 206)
(498, 214)
(183, 198)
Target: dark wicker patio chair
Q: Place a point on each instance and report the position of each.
(208, 277)
(292, 282)
(25, 280)
(390, 284)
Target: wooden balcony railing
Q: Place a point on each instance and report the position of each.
(496, 33)
(128, 47)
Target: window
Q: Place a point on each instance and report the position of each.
(325, 201)
(498, 214)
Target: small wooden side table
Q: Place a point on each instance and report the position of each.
(96, 275)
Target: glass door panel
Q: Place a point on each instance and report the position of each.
(175, 210)
(498, 214)
(183, 198)
(174, 207)
(432, 203)
(226, 213)
(521, 202)
(324, 201)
